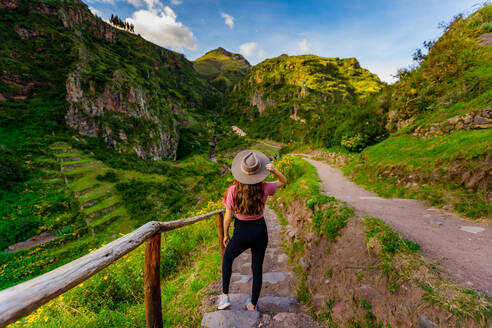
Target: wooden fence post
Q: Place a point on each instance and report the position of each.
(152, 284)
(220, 233)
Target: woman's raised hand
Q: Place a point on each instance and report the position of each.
(270, 167)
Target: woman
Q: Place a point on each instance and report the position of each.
(246, 198)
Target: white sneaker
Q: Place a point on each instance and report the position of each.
(224, 303)
(247, 303)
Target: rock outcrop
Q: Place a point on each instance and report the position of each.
(130, 93)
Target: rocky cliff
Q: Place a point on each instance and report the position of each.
(134, 95)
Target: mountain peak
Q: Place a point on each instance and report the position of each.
(222, 54)
(222, 67)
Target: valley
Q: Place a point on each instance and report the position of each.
(102, 131)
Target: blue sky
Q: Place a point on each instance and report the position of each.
(381, 34)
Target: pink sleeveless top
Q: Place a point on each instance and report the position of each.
(269, 189)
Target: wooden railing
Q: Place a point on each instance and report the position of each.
(19, 300)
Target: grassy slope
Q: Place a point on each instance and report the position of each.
(120, 205)
(453, 80)
(321, 91)
(38, 200)
(190, 260)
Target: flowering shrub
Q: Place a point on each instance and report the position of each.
(354, 143)
(285, 164)
(210, 207)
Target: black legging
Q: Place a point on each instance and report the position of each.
(247, 234)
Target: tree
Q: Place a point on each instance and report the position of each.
(116, 21)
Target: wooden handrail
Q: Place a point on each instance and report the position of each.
(19, 300)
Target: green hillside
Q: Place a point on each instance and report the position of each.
(102, 131)
(222, 67)
(88, 115)
(440, 113)
(307, 99)
(70, 69)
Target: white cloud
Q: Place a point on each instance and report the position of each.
(159, 25)
(248, 49)
(176, 2)
(154, 5)
(135, 3)
(95, 12)
(261, 53)
(228, 19)
(303, 46)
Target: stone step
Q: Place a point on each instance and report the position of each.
(275, 260)
(274, 283)
(266, 304)
(289, 320)
(252, 319)
(231, 319)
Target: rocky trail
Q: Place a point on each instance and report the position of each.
(277, 305)
(463, 249)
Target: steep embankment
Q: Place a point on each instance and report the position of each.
(441, 109)
(61, 65)
(356, 271)
(222, 68)
(305, 99)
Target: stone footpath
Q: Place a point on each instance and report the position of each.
(277, 305)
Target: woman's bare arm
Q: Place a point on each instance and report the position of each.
(281, 178)
(227, 223)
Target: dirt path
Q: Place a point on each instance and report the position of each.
(463, 249)
(42, 238)
(277, 305)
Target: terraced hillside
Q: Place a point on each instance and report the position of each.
(99, 201)
(73, 202)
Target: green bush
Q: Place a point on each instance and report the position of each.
(14, 231)
(11, 170)
(109, 176)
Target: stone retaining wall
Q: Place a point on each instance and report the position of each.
(478, 119)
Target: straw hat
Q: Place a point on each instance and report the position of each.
(248, 166)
